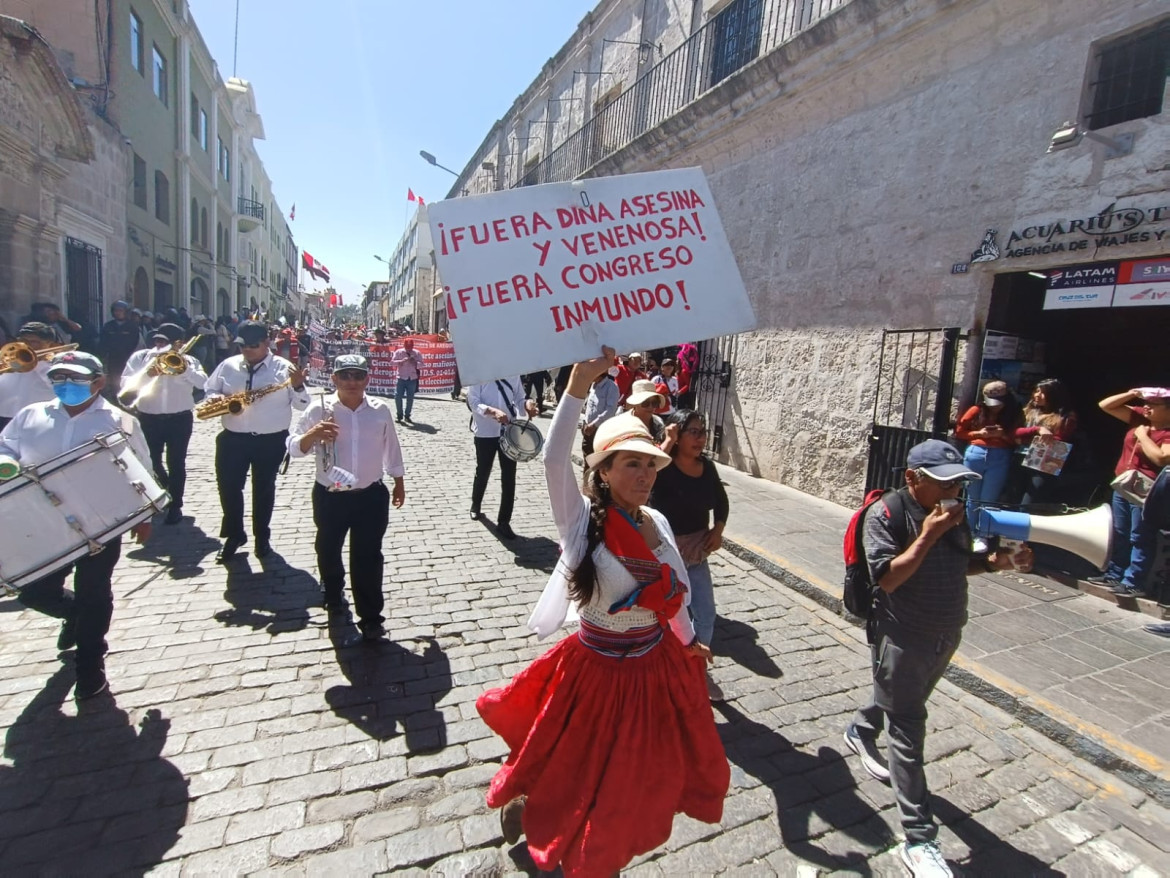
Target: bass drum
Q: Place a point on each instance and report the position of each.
(521, 441)
(70, 505)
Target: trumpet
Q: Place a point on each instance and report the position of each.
(167, 364)
(16, 356)
(235, 403)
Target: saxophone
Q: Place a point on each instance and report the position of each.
(235, 403)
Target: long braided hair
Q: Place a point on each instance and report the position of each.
(584, 578)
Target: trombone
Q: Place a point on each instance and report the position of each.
(165, 365)
(16, 356)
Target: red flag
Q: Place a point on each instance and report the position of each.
(410, 196)
(333, 300)
(420, 201)
(292, 214)
(313, 267)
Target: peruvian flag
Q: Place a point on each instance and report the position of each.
(292, 214)
(313, 267)
(410, 196)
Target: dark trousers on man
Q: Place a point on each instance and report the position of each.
(172, 434)
(88, 608)
(235, 455)
(487, 450)
(364, 515)
(906, 668)
(406, 388)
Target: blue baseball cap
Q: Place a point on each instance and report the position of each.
(940, 460)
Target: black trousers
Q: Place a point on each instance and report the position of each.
(364, 515)
(171, 433)
(487, 450)
(235, 454)
(90, 605)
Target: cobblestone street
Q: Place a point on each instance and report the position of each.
(240, 736)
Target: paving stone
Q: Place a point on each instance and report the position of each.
(341, 807)
(296, 842)
(384, 824)
(265, 822)
(422, 846)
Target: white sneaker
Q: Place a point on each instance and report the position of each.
(924, 859)
(871, 760)
(979, 546)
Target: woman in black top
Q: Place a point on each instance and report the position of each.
(687, 492)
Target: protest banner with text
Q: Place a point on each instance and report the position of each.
(541, 276)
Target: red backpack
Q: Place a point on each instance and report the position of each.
(858, 591)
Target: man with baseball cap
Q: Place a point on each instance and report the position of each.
(18, 389)
(164, 404)
(356, 448)
(119, 339)
(254, 439)
(918, 548)
(38, 433)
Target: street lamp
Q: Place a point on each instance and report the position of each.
(431, 160)
(389, 268)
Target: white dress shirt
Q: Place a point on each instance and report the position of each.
(367, 443)
(42, 431)
(18, 389)
(273, 413)
(408, 363)
(170, 394)
(481, 397)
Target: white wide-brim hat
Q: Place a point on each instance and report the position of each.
(625, 432)
(641, 391)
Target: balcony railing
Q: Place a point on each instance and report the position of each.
(253, 209)
(739, 34)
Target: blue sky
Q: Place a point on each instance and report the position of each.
(351, 90)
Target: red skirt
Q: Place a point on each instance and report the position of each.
(607, 750)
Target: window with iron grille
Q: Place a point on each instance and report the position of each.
(735, 38)
(1129, 77)
(139, 181)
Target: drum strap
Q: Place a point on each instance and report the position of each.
(507, 395)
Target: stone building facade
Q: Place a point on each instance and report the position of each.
(883, 166)
(62, 186)
(200, 224)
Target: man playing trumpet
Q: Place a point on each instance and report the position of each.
(357, 447)
(20, 388)
(164, 399)
(254, 437)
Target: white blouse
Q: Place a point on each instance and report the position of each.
(571, 513)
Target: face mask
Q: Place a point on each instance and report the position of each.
(72, 394)
(613, 371)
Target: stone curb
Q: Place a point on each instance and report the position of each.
(1080, 745)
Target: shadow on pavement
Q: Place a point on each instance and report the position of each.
(277, 598)
(738, 641)
(533, 553)
(392, 688)
(990, 855)
(180, 548)
(419, 428)
(815, 794)
(87, 794)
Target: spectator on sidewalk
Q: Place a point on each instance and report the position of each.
(1049, 412)
(120, 338)
(408, 362)
(920, 564)
(990, 428)
(689, 494)
(1146, 448)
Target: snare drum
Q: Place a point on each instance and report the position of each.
(521, 441)
(72, 504)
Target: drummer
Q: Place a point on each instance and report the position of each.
(42, 431)
(18, 389)
(493, 404)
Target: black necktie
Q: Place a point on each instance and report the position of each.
(252, 370)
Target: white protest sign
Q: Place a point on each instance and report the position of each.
(541, 276)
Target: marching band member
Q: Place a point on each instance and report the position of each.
(493, 405)
(253, 439)
(356, 447)
(42, 431)
(165, 411)
(18, 389)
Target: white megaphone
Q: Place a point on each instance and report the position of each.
(1088, 535)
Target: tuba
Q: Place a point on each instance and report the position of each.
(235, 403)
(16, 356)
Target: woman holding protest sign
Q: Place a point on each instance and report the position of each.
(610, 732)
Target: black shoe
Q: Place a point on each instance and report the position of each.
(476, 515)
(408, 420)
(1103, 580)
(174, 515)
(263, 548)
(90, 685)
(372, 633)
(67, 639)
(229, 549)
(505, 530)
(398, 420)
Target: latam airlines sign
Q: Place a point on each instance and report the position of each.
(1129, 284)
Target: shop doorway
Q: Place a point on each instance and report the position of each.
(1096, 352)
